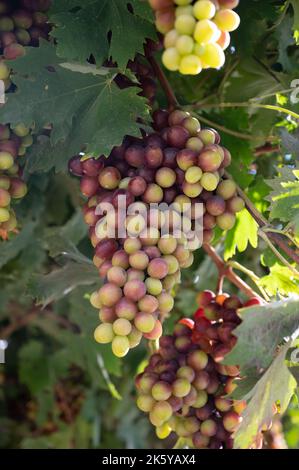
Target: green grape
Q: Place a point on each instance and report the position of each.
(206, 32)
(171, 38)
(161, 391)
(204, 10)
(122, 327)
(193, 174)
(153, 286)
(4, 215)
(190, 65)
(162, 411)
(227, 20)
(209, 181)
(144, 322)
(226, 221)
(213, 56)
(163, 431)
(185, 24)
(104, 333)
(181, 388)
(145, 403)
(120, 346)
(184, 45)
(171, 59)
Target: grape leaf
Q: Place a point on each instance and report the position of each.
(290, 142)
(280, 280)
(284, 198)
(277, 385)
(263, 328)
(86, 30)
(244, 232)
(10, 249)
(83, 108)
(57, 284)
(34, 366)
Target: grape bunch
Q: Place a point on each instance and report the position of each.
(22, 23)
(184, 392)
(215, 321)
(196, 32)
(179, 165)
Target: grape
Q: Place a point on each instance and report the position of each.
(184, 45)
(186, 159)
(193, 175)
(160, 4)
(235, 204)
(137, 186)
(162, 411)
(134, 290)
(165, 20)
(153, 156)
(213, 56)
(4, 74)
(210, 160)
(170, 38)
(231, 420)
(204, 10)
(208, 428)
(206, 32)
(153, 194)
(148, 304)
(192, 190)
(165, 177)
(144, 322)
(167, 245)
(110, 294)
(163, 431)
(117, 275)
(185, 24)
(139, 260)
(120, 346)
(181, 387)
(227, 20)
(177, 136)
(4, 198)
(195, 144)
(209, 181)
(6, 161)
(145, 403)
(134, 156)
(157, 269)
(190, 65)
(109, 178)
(104, 333)
(226, 221)
(4, 215)
(182, 2)
(153, 286)
(192, 125)
(126, 309)
(122, 327)
(224, 40)
(166, 302)
(227, 189)
(161, 391)
(171, 59)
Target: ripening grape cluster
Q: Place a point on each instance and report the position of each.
(179, 164)
(22, 23)
(196, 32)
(183, 389)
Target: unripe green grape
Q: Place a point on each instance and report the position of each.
(185, 24)
(186, 372)
(6, 24)
(169, 282)
(226, 221)
(22, 151)
(153, 286)
(234, 205)
(208, 428)
(110, 294)
(184, 45)
(165, 177)
(231, 420)
(4, 71)
(227, 20)
(163, 431)
(190, 65)
(121, 259)
(170, 38)
(109, 178)
(186, 264)
(227, 189)
(182, 254)
(206, 32)
(223, 404)
(201, 400)
(195, 144)
(209, 181)
(213, 56)
(132, 245)
(5, 198)
(145, 403)
(192, 425)
(124, 183)
(184, 10)
(120, 346)
(6, 161)
(4, 182)
(192, 125)
(147, 381)
(192, 190)
(4, 215)
(95, 300)
(161, 391)
(166, 302)
(162, 411)
(153, 194)
(156, 332)
(171, 59)
(21, 130)
(186, 158)
(207, 136)
(181, 388)
(27, 141)
(182, 203)
(10, 224)
(204, 10)
(104, 333)
(198, 360)
(167, 244)
(210, 160)
(193, 174)
(183, 2)
(122, 327)
(201, 380)
(134, 337)
(172, 263)
(144, 322)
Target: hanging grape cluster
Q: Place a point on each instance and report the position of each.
(196, 33)
(184, 388)
(179, 164)
(22, 23)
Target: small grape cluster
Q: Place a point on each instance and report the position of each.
(22, 23)
(179, 165)
(197, 32)
(183, 389)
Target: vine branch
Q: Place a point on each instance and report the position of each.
(227, 271)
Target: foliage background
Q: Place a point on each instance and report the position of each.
(58, 388)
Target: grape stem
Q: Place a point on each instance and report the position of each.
(171, 98)
(227, 271)
(263, 223)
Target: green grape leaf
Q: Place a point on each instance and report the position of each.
(277, 385)
(262, 330)
(86, 110)
(11, 248)
(34, 366)
(280, 280)
(290, 142)
(59, 283)
(244, 232)
(284, 198)
(83, 31)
